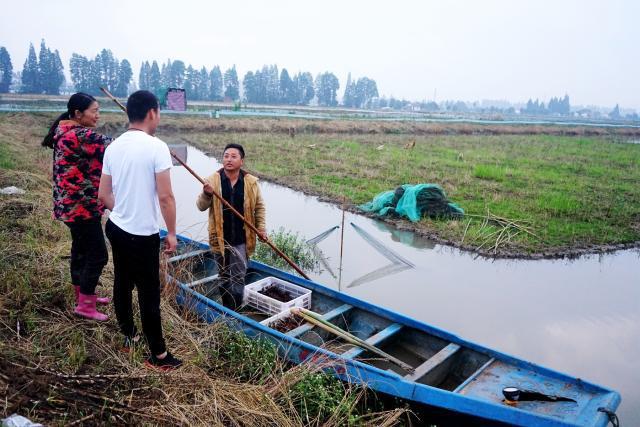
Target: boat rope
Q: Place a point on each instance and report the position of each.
(615, 422)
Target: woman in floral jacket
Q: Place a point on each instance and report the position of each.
(77, 166)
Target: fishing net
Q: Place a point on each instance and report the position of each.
(414, 202)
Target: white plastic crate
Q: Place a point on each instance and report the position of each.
(301, 297)
(273, 319)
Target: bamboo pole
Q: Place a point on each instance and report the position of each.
(315, 318)
(224, 202)
(341, 247)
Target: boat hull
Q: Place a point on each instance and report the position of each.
(477, 393)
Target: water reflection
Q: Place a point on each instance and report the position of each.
(580, 316)
(405, 237)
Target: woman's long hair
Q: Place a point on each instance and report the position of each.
(79, 101)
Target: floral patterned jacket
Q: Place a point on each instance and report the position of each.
(77, 166)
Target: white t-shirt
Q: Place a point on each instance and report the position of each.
(132, 160)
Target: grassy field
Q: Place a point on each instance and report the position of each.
(566, 190)
(527, 190)
(59, 370)
(562, 193)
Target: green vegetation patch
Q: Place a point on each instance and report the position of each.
(530, 179)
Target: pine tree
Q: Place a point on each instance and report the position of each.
(44, 69)
(189, 84)
(262, 85)
(365, 90)
(215, 84)
(249, 87)
(94, 78)
(305, 88)
(57, 73)
(615, 113)
(50, 75)
(286, 88)
(273, 85)
(154, 78)
(143, 79)
(30, 72)
(348, 98)
(565, 107)
(80, 68)
(107, 67)
(165, 75)
(124, 78)
(231, 84)
(177, 74)
(6, 70)
(203, 85)
(327, 85)
(529, 108)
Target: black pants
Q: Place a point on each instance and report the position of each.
(136, 262)
(88, 254)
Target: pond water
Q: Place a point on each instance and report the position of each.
(581, 317)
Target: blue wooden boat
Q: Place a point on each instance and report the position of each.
(451, 374)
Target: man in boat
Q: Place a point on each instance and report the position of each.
(136, 186)
(231, 241)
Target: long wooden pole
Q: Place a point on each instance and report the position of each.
(313, 317)
(224, 202)
(341, 248)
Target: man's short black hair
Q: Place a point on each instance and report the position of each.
(236, 146)
(139, 104)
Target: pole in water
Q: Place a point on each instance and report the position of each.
(341, 248)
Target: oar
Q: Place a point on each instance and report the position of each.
(315, 318)
(224, 202)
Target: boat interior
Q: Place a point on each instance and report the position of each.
(421, 356)
(435, 361)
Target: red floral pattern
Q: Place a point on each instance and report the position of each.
(77, 166)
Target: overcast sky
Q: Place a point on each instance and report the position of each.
(463, 50)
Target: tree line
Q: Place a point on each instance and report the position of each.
(200, 85)
(269, 85)
(555, 106)
(44, 74)
(40, 74)
(105, 70)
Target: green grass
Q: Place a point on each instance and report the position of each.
(574, 191)
(489, 172)
(6, 160)
(291, 244)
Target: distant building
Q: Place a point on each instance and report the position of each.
(176, 99)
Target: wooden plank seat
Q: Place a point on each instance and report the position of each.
(374, 340)
(434, 368)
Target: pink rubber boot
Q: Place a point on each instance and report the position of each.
(99, 300)
(87, 308)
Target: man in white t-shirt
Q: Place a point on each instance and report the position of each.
(136, 186)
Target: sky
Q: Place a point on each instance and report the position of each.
(466, 50)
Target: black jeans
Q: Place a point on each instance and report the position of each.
(136, 262)
(88, 254)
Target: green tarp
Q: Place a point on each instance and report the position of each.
(414, 202)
